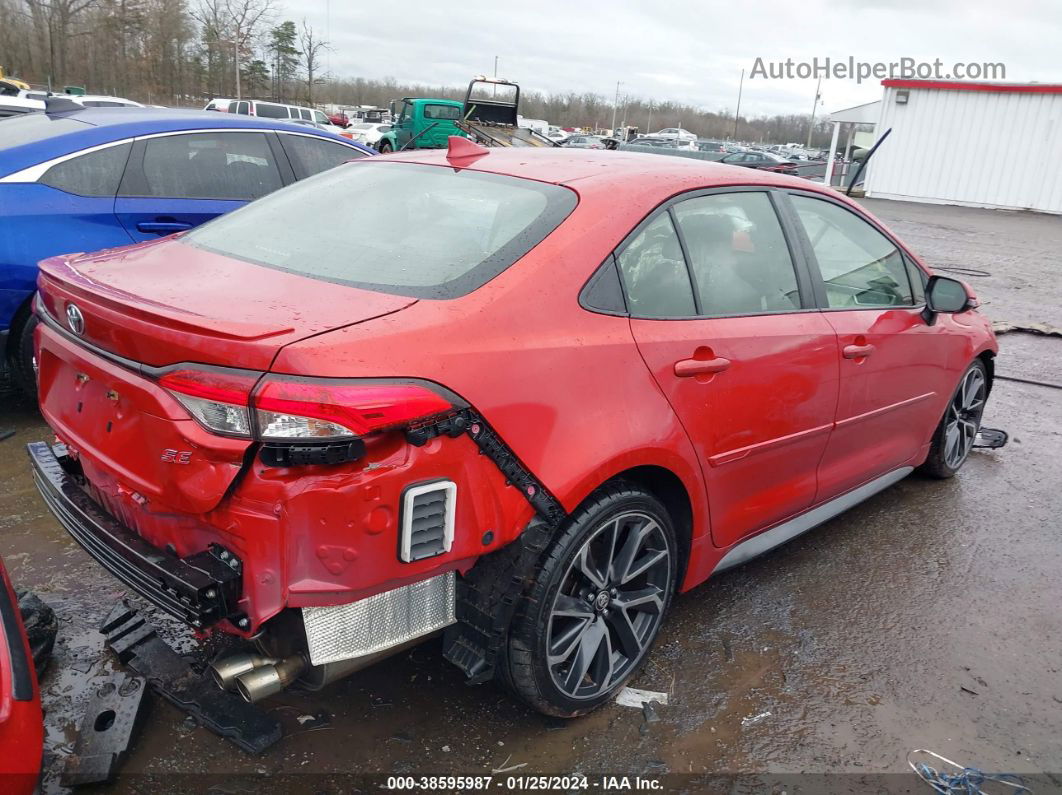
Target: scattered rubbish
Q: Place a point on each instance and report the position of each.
(5, 435)
(965, 689)
(649, 712)
(106, 731)
(966, 781)
(990, 438)
(1043, 329)
(315, 721)
(633, 697)
(139, 647)
(401, 737)
(749, 720)
(41, 628)
(506, 767)
(446, 749)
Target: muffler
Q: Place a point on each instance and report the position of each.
(226, 670)
(271, 678)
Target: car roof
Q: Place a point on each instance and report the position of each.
(655, 176)
(89, 127)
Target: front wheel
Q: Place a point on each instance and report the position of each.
(596, 603)
(957, 431)
(384, 147)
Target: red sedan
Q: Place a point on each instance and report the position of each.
(519, 397)
(21, 721)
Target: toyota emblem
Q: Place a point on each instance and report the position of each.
(75, 319)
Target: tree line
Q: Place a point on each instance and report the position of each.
(185, 52)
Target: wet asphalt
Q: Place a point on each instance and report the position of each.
(928, 617)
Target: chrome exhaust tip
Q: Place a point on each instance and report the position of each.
(226, 670)
(270, 679)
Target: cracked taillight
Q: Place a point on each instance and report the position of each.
(217, 399)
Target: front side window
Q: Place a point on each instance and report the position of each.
(654, 272)
(442, 112)
(402, 228)
(320, 117)
(314, 155)
(738, 255)
(93, 174)
(236, 165)
(860, 266)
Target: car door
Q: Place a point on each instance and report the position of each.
(722, 312)
(893, 364)
(178, 181)
(403, 124)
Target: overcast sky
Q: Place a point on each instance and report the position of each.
(681, 50)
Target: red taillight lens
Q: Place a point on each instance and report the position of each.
(329, 409)
(218, 399)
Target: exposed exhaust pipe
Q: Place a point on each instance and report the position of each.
(269, 679)
(226, 670)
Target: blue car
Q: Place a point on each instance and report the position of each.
(94, 178)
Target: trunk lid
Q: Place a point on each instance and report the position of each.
(165, 302)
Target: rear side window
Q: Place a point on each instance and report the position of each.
(654, 272)
(93, 174)
(237, 165)
(402, 228)
(738, 254)
(314, 155)
(268, 111)
(860, 266)
(442, 112)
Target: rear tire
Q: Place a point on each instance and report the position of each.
(595, 604)
(20, 352)
(954, 437)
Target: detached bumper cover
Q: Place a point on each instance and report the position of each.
(200, 590)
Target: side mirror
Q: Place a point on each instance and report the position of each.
(946, 295)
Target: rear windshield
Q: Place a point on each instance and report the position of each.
(401, 228)
(35, 127)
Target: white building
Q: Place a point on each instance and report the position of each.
(978, 144)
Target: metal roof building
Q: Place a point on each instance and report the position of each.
(979, 144)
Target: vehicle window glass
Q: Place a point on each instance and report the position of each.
(654, 272)
(403, 228)
(244, 108)
(268, 111)
(210, 166)
(442, 112)
(320, 117)
(918, 281)
(304, 113)
(315, 155)
(859, 265)
(94, 174)
(738, 254)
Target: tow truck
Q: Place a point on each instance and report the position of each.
(490, 116)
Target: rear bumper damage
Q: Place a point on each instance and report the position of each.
(201, 589)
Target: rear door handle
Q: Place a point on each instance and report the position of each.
(162, 227)
(687, 368)
(857, 351)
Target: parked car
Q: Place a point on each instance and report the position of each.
(336, 452)
(584, 142)
(95, 178)
(674, 134)
(557, 134)
(277, 110)
(339, 120)
(102, 101)
(219, 104)
(21, 719)
(767, 161)
(705, 145)
(369, 133)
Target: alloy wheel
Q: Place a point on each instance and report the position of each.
(963, 419)
(609, 605)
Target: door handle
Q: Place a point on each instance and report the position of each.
(857, 351)
(687, 368)
(162, 227)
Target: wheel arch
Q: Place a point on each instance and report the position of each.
(988, 359)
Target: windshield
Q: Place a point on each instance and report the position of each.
(402, 228)
(35, 127)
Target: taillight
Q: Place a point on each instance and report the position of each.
(284, 408)
(312, 408)
(218, 399)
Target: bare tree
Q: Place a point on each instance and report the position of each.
(245, 18)
(52, 21)
(312, 47)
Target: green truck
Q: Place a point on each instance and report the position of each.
(419, 123)
(488, 116)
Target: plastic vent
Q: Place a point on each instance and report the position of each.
(428, 520)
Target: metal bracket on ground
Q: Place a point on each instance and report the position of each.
(134, 640)
(107, 730)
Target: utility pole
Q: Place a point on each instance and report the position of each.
(236, 58)
(814, 107)
(737, 113)
(615, 106)
(649, 123)
(495, 65)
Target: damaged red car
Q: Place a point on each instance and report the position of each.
(521, 398)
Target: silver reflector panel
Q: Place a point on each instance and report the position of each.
(379, 622)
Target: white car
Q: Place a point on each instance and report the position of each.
(674, 134)
(102, 101)
(368, 133)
